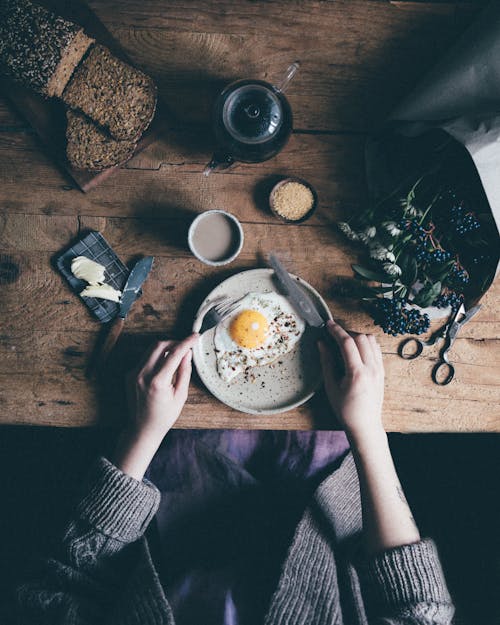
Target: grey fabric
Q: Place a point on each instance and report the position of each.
(104, 574)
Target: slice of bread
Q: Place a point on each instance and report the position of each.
(92, 148)
(39, 48)
(117, 96)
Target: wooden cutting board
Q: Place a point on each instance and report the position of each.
(47, 116)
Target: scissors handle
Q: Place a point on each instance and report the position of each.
(438, 367)
(417, 344)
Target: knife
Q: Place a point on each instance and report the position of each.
(306, 308)
(299, 299)
(130, 293)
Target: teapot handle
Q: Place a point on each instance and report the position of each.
(218, 162)
(290, 73)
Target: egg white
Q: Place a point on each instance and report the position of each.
(285, 330)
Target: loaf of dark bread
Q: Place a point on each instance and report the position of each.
(39, 48)
(92, 148)
(115, 95)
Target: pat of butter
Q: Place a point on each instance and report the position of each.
(88, 270)
(102, 291)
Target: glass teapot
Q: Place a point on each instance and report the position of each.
(252, 121)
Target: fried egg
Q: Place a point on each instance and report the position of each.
(262, 328)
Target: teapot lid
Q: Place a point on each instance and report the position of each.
(253, 113)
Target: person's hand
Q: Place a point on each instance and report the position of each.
(158, 388)
(355, 394)
(157, 392)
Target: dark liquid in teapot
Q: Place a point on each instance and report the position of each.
(252, 121)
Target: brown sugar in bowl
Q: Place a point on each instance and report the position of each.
(278, 200)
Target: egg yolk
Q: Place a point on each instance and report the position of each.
(249, 329)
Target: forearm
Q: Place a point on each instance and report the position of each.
(387, 518)
(134, 452)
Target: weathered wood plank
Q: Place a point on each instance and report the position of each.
(178, 284)
(166, 180)
(62, 396)
(318, 253)
(359, 57)
(10, 121)
(350, 85)
(308, 17)
(171, 296)
(69, 352)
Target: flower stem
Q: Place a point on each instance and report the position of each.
(434, 199)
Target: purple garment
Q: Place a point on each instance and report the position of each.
(231, 500)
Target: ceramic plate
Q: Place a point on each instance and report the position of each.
(271, 389)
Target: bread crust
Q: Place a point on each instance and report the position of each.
(112, 93)
(91, 148)
(38, 48)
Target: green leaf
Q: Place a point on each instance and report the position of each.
(381, 289)
(368, 274)
(427, 294)
(409, 267)
(438, 271)
(442, 275)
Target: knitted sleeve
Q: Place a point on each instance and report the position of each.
(102, 560)
(406, 586)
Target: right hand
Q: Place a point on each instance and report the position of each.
(356, 394)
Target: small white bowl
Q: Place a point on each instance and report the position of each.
(207, 261)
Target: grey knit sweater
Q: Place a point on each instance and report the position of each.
(104, 574)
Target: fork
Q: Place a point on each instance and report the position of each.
(217, 313)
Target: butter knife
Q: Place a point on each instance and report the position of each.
(130, 293)
(296, 295)
(306, 308)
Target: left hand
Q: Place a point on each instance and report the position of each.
(157, 392)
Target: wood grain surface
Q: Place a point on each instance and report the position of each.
(358, 59)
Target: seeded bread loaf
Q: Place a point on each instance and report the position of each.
(92, 148)
(117, 96)
(39, 48)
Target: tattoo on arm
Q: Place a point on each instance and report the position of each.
(402, 496)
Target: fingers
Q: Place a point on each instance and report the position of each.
(328, 366)
(173, 360)
(357, 349)
(184, 375)
(325, 358)
(348, 347)
(364, 347)
(377, 352)
(150, 358)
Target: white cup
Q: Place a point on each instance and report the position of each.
(238, 244)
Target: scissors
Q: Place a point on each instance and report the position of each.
(448, 332)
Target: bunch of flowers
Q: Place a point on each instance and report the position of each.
(415, 248)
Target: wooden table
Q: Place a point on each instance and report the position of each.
(358, 59)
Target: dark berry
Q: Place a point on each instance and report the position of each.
(463, 220)
(458, 276)
(449, 298)
(394, 318)
(440, 256)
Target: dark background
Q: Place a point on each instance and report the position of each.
(451, 482)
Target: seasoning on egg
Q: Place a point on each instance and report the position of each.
(293, 200)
